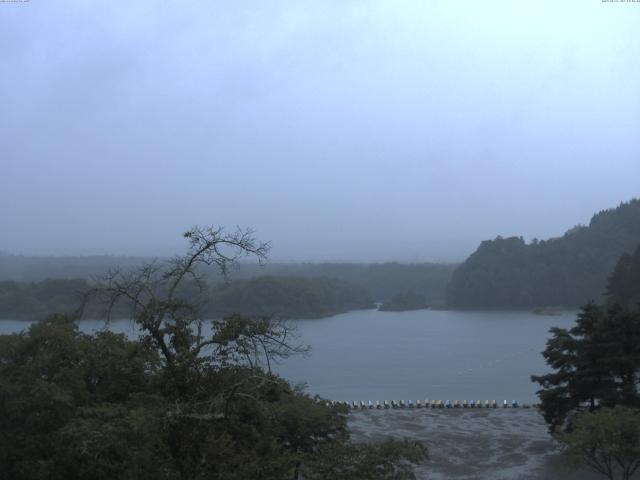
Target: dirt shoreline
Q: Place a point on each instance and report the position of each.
(470, 444)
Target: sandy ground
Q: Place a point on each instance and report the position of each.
(470, 444)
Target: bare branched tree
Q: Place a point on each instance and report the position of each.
(160, 300)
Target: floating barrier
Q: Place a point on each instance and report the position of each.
(427, 403)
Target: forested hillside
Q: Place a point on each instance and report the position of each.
(624, 282)
(37, 300)
(291, 297)
(383, 280)
(566, 271)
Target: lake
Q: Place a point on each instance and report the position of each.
(368, 354)
(376, 355)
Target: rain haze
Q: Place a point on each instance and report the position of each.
(339, 239)
(338, 130)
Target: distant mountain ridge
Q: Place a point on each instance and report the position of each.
(567, 271)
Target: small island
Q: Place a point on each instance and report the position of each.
(404, 301)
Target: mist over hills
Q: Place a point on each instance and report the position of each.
(28, 268)
(502, 273)
(33, 287)
(383, 280)
(567, 271)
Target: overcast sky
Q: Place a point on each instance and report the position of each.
(339, 130)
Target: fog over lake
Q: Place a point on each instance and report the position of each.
(418, 198)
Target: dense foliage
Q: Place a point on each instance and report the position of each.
(566, 271)
(383, 280)
(606, 440)
(404, 301)
(290, 297)
(190, 399)
(36, 300)
(595, 363)
(624, 283)
(103, 407)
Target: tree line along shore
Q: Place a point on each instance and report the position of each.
(504, 273)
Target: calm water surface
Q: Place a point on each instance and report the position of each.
(373, 355)
(424, 354)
